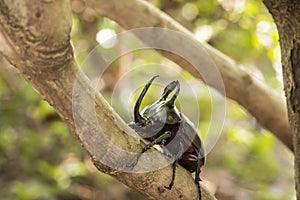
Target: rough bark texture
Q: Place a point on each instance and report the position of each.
(34, 37)
(261, 101)
(286, 14)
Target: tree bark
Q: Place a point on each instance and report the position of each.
(286, 14)
(35, 38)
(262, 102)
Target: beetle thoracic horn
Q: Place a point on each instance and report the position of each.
(137, 115)
(168, 89)
(175, 94)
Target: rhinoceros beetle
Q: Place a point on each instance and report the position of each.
(162, 124)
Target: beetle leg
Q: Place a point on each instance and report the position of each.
(197, 176)
(174, 165)
(158, 140)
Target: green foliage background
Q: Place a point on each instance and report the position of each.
(41, 160)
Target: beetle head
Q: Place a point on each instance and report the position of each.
(163, 110)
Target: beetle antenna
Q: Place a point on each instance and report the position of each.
(172, 100)
(137, 115)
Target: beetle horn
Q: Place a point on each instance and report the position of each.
(137, 115)
(172, 100)
(168, 89)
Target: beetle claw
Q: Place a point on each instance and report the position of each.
(132, 165)
(168, 187)
(161, 189)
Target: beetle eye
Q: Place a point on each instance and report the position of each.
(146, 122)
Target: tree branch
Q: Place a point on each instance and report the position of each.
(262, 102)
(34, 37)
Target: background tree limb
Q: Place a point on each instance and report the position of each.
(36, 42)
(262, 102)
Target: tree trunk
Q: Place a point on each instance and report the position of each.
(286, 14)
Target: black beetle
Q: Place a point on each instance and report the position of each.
(162, 124)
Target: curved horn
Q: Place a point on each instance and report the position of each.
(137, 115)
(172, 100)
(168, 89)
